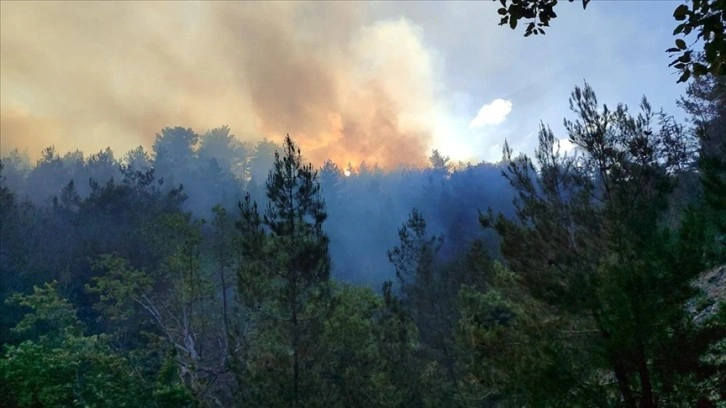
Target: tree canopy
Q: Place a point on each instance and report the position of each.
(178, 278)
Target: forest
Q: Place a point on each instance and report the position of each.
(211, 271)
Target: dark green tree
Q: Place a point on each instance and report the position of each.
(589, 239)
(705, 102)
(58, 365)
(429, 293)
(353, 371)
(397, 347)
(284, 275)
(516, 351)
(175, 302)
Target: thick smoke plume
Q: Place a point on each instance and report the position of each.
(94, 74)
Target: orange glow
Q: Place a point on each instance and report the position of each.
(94, 74)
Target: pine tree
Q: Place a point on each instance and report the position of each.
(705, 102)
(286, 270)
(429, 294)
(589, 239)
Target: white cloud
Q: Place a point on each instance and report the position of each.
(492, 113)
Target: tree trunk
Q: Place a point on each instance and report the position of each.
(624, 387)
(620, 373)
(295, 346)
(646, 398)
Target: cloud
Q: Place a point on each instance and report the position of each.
(492, 113)
(114, 73)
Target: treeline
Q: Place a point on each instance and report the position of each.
(184, 279)
(215, 168)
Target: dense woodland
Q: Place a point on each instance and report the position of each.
(213, 272)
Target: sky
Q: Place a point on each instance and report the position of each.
(384, 82)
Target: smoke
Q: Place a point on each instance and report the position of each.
(90, 75)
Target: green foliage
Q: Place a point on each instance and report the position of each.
(589, 241)
(415, 256)
(594, 307)
(284, 278)
(176, 298)
(429, 297)
(351, 371)
(62, 367)
(398, 345)
(705, 102)
(52, 313)
(521, 351)
(708, 19)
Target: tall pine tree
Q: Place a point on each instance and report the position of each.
(285, 276)
(589, 239)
